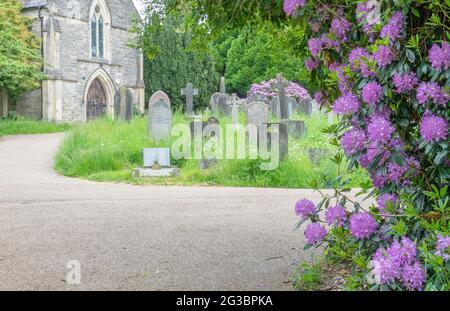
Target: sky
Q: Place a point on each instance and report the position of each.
(139, 5)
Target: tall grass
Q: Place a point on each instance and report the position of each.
(106, 150)
(24, 126)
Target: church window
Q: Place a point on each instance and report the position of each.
(97, 34)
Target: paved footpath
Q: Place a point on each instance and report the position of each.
(134, 237)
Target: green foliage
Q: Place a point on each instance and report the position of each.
(259, 54)
(308, 277)
(20, 61)
(170, 64)
(24, 126)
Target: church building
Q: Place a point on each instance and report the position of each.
(87, 59)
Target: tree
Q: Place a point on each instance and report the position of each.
(20, 61)
(170, 63)
(259, 54)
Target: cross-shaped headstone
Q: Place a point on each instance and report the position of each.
(235, 101)
(189, 92)
(284, 109)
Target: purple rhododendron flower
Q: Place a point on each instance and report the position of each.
(353, 141)
(394, 27)
(372, 93)
(380, 130)
(404, 83)
(355, 56)
(362, 225)
(336, 216)
(396, 172)
(340, 26)
(431, 90)
(443, 247)
(379, 180)
(385, 269)
(433, 128)
(404, 252)
(383, 56)
(290, 6)
(413, 276)
(315, 233)
(311, 63)
(305, 208)
(382, 201)
(315, 46)
(346, 104)
(399, 262)
(365, 16)
(318, 97)
(440, 56)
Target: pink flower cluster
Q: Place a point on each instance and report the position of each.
(362, 225)
(268, 89)
(433, 128)
(399, 262)
(440, 56)
(291, 6)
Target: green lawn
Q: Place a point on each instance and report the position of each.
(24, 126)
(106, 150)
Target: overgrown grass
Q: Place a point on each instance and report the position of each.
(322, 275)
(24, 126)
(105, 150)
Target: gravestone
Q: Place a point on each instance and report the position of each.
(159, 156)
(297, 129)
(275, 107)
(159, 116)
(224, 107)
(257, 97)
(257, 113)
(189, 92)
(235, 108)
(123, 104)
(305, 107)
(278, 128)
(282, 98)
(292, 106)
(214, 103)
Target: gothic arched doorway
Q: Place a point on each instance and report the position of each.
(96, 102)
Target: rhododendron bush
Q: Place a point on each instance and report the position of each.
(384, 68)
(269, 89)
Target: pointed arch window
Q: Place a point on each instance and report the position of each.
(97, 34)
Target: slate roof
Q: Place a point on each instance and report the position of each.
(30, 4)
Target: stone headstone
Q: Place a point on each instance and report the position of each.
(235, 108)
(257, 97)
(189, 92)
(214, 103)
(280, 129)
(275, 107)
(257, 113)
(292, 106)
(123, 104)
(160, 156)
(282, 98)
(224, 107)
(159, 116)
(297, 129)
(305, 107)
